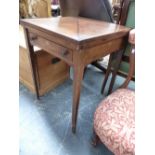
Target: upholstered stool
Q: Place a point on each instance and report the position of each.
(114, 122)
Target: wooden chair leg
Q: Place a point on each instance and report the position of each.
(99, 66)
(107, 72)
(105, 79)
(131, 68)
(112, 83)
(115, 70)
(95, 139)
(126, 83)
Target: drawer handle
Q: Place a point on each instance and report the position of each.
(34, 37)
(65, 52)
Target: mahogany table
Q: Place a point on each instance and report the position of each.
(75, 40)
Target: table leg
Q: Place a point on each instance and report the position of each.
(33, 65)
(78, 77)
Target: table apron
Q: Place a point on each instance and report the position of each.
(52, 48)
(94, 53)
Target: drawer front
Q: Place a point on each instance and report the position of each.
(51, 47)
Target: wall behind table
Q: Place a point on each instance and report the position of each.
(34, 8)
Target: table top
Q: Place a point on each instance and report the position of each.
(76, 28)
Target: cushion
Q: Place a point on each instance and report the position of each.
(114, 122)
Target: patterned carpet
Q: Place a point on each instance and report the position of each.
(45, 124)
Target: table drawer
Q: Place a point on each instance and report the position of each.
(51, 47)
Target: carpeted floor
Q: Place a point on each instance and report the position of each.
(45, 125)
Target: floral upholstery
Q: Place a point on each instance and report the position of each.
(114, 122)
